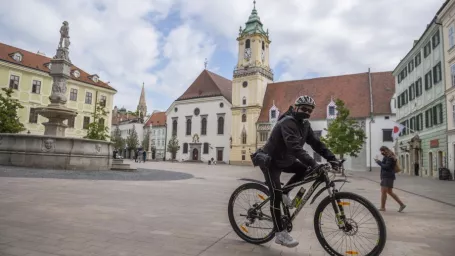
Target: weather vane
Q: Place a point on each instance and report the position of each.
(254, 2)
(205, 63)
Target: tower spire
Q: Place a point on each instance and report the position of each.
(254, 5)
(142, 106)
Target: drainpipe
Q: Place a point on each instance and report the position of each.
(165, 140)
(371, 116)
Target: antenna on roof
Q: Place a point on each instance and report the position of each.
(205, 63)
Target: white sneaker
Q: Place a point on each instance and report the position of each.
(285, 239)
(287, 201)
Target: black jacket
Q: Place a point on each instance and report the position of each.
(286, 141)
(387, 168)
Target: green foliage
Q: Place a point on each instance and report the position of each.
(97, 130)
(117, 140)
(173, 146)
(132, 141)
(344, 135)
(9, 119)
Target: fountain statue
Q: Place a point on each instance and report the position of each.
(57, 112)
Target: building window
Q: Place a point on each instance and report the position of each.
(73, 94)
(411, 66)
(437, 76)
(204, 126)
(101, 121)
(245, 84)
(428, 81)
(273, 114)
(427, 49)
(436, 39)
(33, 118)
(412, 124)
(36, 87)
(244, 137)
(247, 44)
(331, 111)
(243, 118)
(86, 122)
(453, 114)
(244, 100)
(418, 86)
(243, 157)
(188, 126)
(71, 122)
(14, 82)
(174, 128)
(418, 59)
(103, 101)
(220, 125)
(88, 98)
(419, 122)
(263, 136)
(412, 91)
(387, 135)
(185, 148)
(451, 37)
(205, 150)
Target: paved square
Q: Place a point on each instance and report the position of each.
(85, 214)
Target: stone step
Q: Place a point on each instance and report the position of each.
(123, 169)
(116, 165)
(115, 161)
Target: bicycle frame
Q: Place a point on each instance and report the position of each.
(318, 180)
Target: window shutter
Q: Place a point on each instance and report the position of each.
(435, 115)
(440, 114)
(427, 119)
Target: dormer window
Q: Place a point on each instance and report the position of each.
(76, 73)
(48, 65)
(17, 56)
(95, 78)
(273, 114)
(332, 110)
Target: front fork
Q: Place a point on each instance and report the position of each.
(337, 207)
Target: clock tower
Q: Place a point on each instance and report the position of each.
(251, 76)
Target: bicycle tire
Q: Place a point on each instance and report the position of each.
(234, 225)
(365, 202)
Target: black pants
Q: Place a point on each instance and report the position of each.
(272, 178)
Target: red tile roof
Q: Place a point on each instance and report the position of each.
(208, 84)
(157, 119)
(353, 89)
(122, 117)
(37, 62)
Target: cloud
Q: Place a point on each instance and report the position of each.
(130, 43)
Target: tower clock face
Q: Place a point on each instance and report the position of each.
(247, 53)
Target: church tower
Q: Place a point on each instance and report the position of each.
(142, 106)
(251, 76)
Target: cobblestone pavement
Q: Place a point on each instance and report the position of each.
(48, 216)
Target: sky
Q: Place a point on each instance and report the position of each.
(163, 44)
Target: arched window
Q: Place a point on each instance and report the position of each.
(174, 127)
(243, 118)
(244, 100)
(247, 44)
(185, 148)
(206, 148)
(263, 45)
(220, 125)
(244, 137)
(204, 126)
(188, 126)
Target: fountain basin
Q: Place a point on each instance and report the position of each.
(54, 152)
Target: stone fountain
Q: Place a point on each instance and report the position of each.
(53, 149)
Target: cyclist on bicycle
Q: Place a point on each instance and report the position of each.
(285, 147)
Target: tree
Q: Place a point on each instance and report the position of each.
(9, 119)
(117, 140)
(132, 141)
(344, 135)
(97, 130)
(173, 146)
(146, 141)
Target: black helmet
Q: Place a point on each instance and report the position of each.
(305, 100)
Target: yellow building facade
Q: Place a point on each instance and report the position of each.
(251, 76)
(27, 74)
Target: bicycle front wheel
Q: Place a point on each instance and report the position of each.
(364, 232)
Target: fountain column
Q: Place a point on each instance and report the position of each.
(56, 111)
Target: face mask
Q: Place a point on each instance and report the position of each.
(300, 116)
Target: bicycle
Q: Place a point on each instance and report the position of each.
(338, 200)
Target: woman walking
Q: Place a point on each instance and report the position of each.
(388, 177)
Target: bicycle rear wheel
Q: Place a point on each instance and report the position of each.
(362, 222)
(252, 225)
